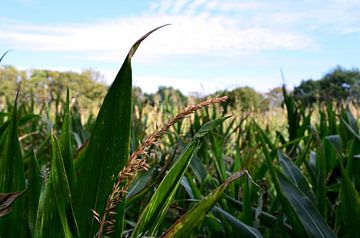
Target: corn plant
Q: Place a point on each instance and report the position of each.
(198, 172)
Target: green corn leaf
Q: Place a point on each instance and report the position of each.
(266, 219)
(186, 223)
(12, 178)
(80, 157)
(26, 118)
(351, 129)
(142, 182)
(335, 141)
(3, 55)
(219, 160)
(48, 222)
(108, 148)
(321, 173)
(62, 193)
(34, 189)
(190, 186)
(198, 169)
(350, 205)
(156, 209)
(65, 144)
(241, 229)
(295, 175)
(287, 208)
(151, 217)
(305, 210)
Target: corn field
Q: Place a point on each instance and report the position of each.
(199, 171)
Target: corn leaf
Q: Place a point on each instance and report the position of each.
(6, 201)
(34, 189)
(62, 193)
(351, 129)
(335, 141)
(12, 178)
(153, 214)
(3, 55)
(306, 211)
(108, 148)
(295, 175)
(242, 230)
(65, 145)
(48, 222)
(186, 223)
(350, 205)
(287, 208)
(156, 209)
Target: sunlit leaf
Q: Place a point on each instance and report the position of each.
(184, 226)
(108, 148)
(154, 212)
(12, 177)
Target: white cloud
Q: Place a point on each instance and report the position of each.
(199, 28)
(200, 34)
(213, 28)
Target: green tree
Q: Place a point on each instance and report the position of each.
(336, 86)
(308, 91)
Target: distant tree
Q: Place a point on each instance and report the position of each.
(274, 97)
(336, 86)
(308, 91)
(8, 81)
(47, 86)
(170, 95)
(245, 98)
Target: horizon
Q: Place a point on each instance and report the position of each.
(189, 93)
(210, 46)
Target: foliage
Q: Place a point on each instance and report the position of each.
(47, 86)
(336, 86)
(63, 176)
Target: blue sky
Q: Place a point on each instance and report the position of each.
(211, 45)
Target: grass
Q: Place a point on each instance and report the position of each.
(291, 173)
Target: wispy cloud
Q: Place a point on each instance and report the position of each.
(199, 28)
(215, 30)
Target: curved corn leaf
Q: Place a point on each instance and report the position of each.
(186, 223)
(305, 210)
(287, 208)
(350, 205)
(351, 129)
(242, 230)
(295, 175)
(65, 144)
(156, 209)
(34, 189)
(3, 55)
(108, 148)
(12, 178)
(335, 141)
(153, 214)
(62, 193)
(6, 201)
(47, 219)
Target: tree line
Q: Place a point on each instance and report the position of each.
(338, 85)
(88, 89)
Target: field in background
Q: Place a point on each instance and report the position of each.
(172, 166)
